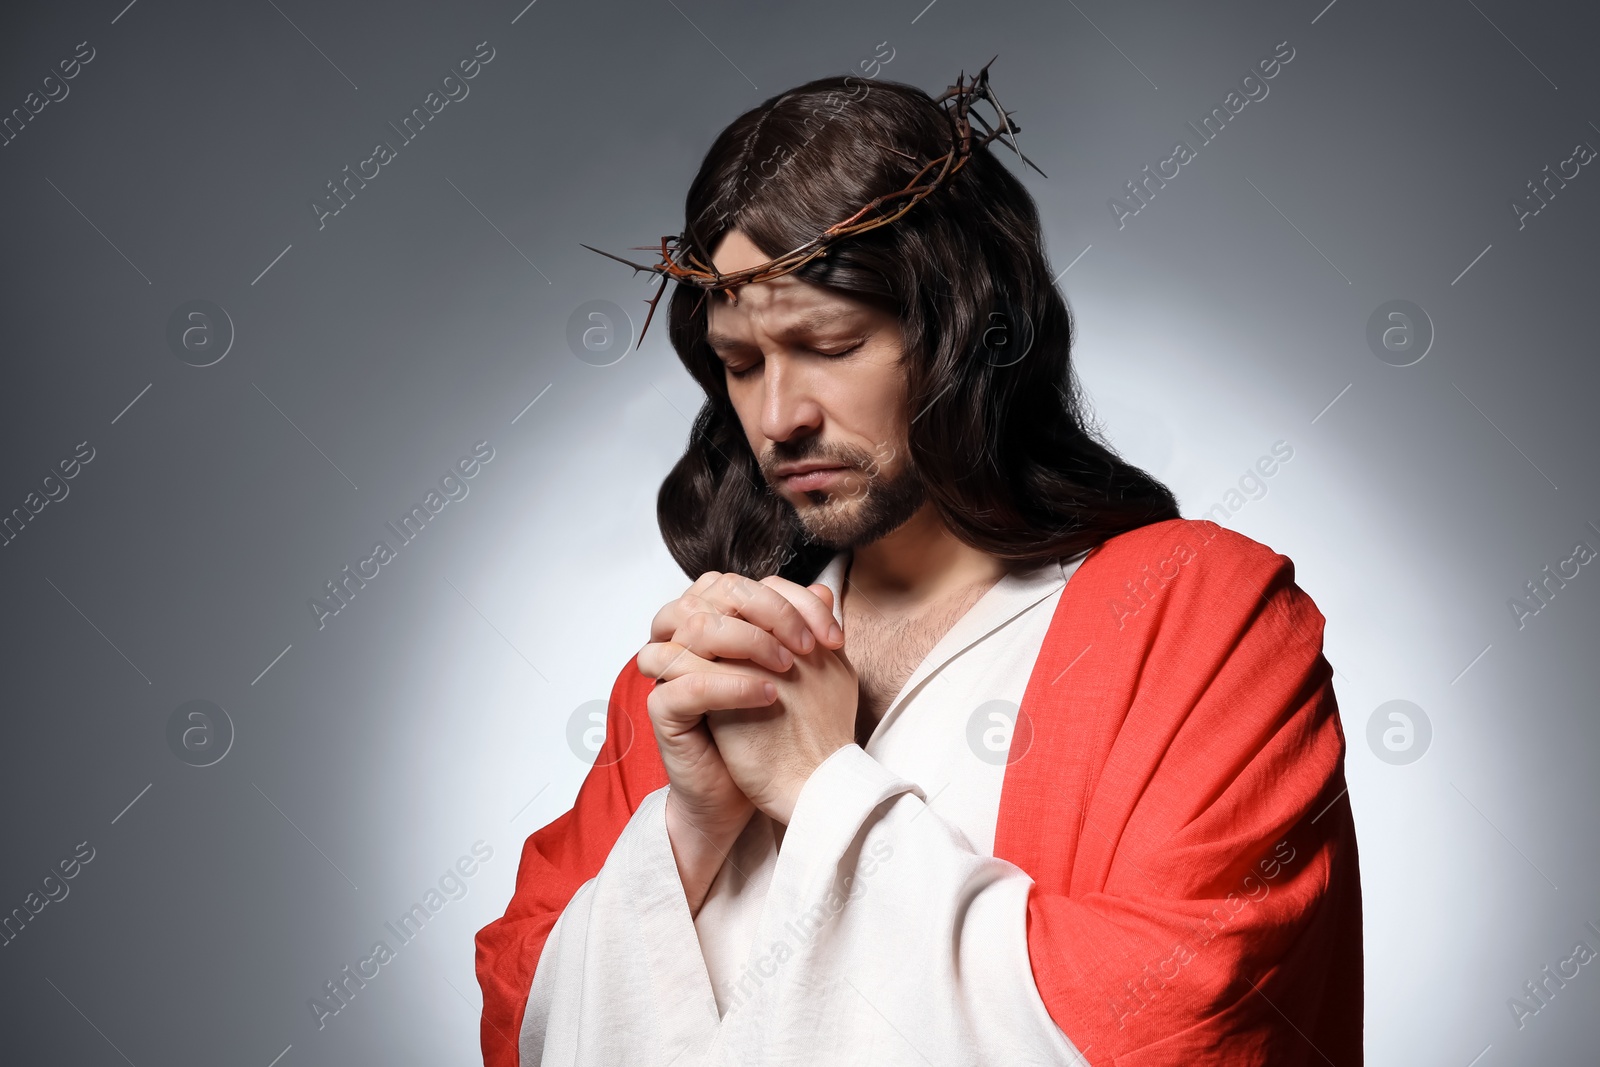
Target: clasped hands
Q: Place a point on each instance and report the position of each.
(753, 692)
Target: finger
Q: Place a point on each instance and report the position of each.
(671, 616)
(794, 614)
(815, 616)
(686, 698)
(835, 636)
(665, 660)
(774, 604)
(815, 604)
(713, 635)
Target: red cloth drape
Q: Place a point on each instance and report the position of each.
(1176, 792)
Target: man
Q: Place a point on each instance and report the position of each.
(1031, 771)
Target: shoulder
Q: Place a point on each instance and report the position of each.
(1212, 548)
(1191, 626)
(1193, 570)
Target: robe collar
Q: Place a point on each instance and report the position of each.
(1018, 590)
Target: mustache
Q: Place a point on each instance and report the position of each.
(809, 449)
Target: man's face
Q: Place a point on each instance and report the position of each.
(816, 380)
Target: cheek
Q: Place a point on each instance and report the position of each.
(867, 403)
(887, 388)
(883, 436)
(746, 401)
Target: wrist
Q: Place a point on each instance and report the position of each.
(781, 809)
(700, 846)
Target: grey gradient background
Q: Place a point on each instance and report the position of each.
(370, 355)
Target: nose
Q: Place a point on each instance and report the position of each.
(789, 406)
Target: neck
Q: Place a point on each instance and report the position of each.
(919, 562)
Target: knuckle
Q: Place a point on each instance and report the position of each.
(695, 629)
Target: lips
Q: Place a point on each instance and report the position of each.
(806, 478)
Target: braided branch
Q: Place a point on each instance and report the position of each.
(679, 264)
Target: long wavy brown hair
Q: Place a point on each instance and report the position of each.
(1000, 436)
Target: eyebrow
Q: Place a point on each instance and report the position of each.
(804, 323)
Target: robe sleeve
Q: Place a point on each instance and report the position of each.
(622, 979)
(1198, 895)
(883, 921)
(559, 858)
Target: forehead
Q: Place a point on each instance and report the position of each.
(781, 306)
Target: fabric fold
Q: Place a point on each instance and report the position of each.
(626, 980)
(885, 939)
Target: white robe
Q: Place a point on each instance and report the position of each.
(883, 931)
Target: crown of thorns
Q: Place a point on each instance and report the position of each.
(679, 263)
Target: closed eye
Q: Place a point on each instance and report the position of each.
(747, 371)
(838, 355)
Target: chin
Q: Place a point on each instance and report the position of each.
(844, 524)
(824, 516)
(856, 514)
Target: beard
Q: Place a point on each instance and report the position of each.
(872, 506)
